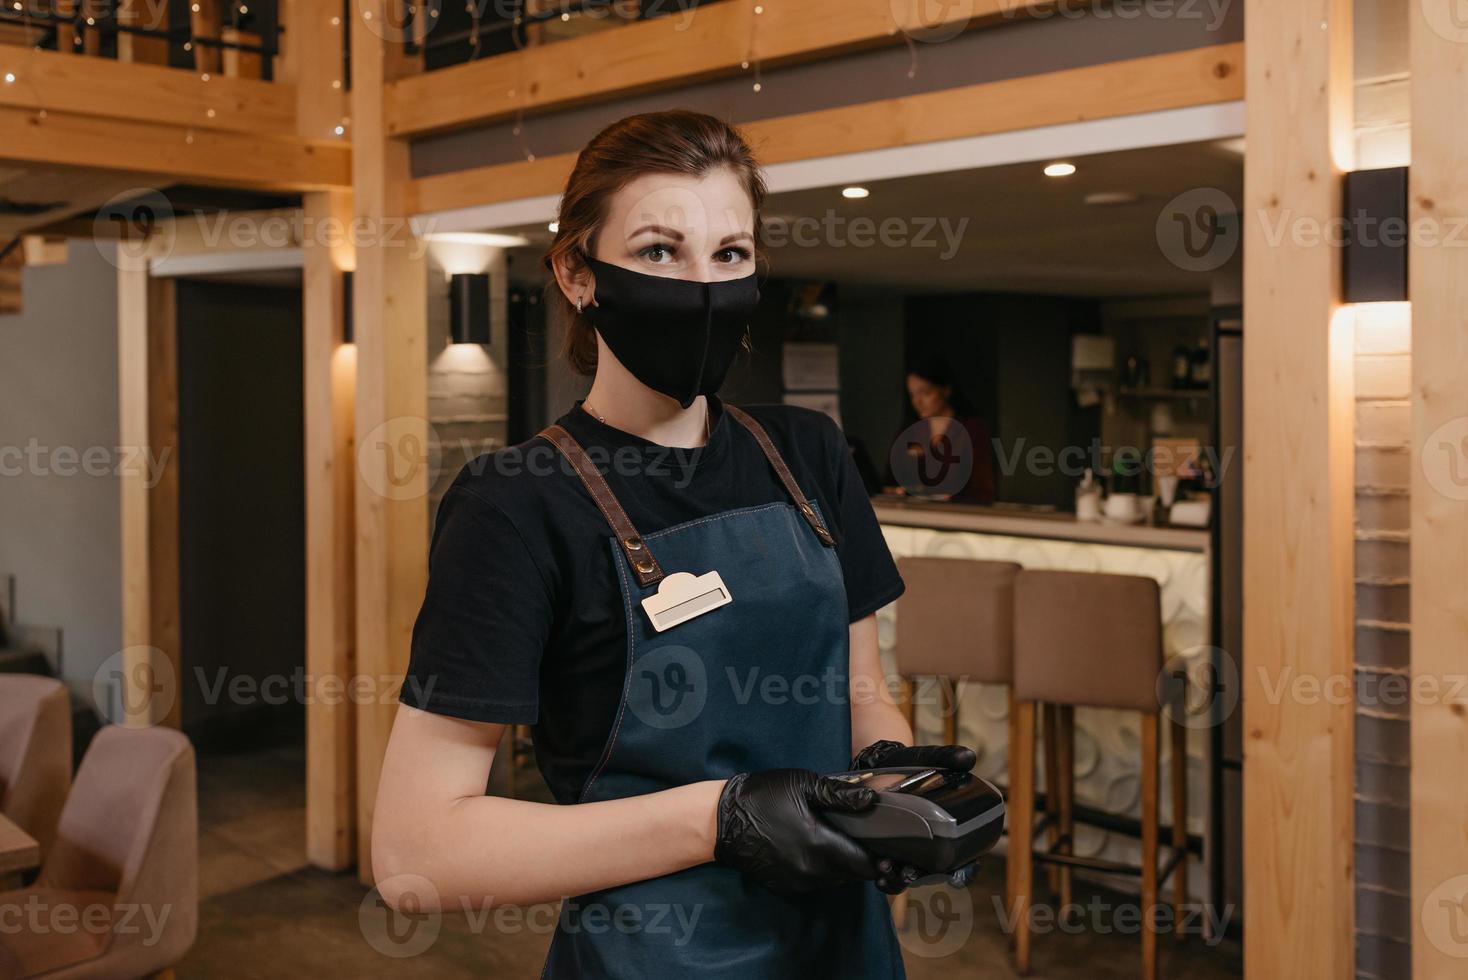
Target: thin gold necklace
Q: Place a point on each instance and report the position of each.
(707, 428)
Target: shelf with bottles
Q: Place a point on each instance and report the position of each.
(1144, 393)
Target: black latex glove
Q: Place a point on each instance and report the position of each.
(896, 877)
(770, 828)
(887, 753)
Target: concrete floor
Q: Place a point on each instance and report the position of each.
(265, 914)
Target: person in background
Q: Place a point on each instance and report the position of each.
(937, 400)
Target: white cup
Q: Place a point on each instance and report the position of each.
(1122, 507)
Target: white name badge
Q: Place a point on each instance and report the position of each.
(682, 596)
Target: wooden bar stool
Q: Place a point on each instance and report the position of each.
(955, 622)
(1091, 640)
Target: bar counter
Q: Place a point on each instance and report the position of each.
(1107, 742)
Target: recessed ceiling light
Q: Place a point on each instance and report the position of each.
(479, 238)
(1103, 199)
(1060, 170)
(855, 193)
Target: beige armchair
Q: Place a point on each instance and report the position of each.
(118, 895)
(35, 753)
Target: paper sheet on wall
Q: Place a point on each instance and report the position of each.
(810, 367)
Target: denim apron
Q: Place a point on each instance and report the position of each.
(761, 683)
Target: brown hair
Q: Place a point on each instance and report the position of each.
(673, 141)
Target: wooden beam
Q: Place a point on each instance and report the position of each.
(1298, 509)
(1203, 76)
(64, 83)
(330, 386)
(313, 60)
(238, 63)
(205, 19)
(148, 431)
(132, 428)
(199, 156)
(143, 49)
(163, 501)
(701, 43)
(390, 307)
(12, 298)
(1439, 315)
(60, 193)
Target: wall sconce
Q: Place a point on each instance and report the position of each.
(469, 308)
(347, 333)
(1374, 259)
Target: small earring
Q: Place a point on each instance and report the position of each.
(578, 304)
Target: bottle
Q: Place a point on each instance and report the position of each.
(1201, 372)
(1182, 367)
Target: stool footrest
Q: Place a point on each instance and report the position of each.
(1175, 857)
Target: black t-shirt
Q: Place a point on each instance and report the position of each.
(523, 621)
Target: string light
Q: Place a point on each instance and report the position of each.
(10, 78)
(751, 58)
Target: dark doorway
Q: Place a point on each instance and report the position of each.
(241, 510)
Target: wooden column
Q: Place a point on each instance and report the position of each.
(1439, 290)
(330, 386)
(147, 332)
(1298, 510)
(313, 62)
(390, 327)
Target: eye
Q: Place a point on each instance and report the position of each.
(732, 255)
(657, 253)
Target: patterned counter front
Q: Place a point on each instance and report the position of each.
(1108, 743)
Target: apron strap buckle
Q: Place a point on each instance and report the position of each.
(777, 462)
(644, 565)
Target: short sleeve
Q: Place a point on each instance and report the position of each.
(485, 620)
(871, 575)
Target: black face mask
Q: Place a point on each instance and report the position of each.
(676, 336)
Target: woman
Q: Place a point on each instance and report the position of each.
(935, 397)
(691, 749)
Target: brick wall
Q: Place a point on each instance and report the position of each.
(1383, 759)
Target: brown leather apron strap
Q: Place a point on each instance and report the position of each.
(783, 472)
(644, 565)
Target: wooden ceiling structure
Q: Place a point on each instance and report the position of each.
(78, 130)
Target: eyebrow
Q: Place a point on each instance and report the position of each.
(677, 235)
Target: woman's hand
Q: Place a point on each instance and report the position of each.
(887, 753)
(770, 828)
